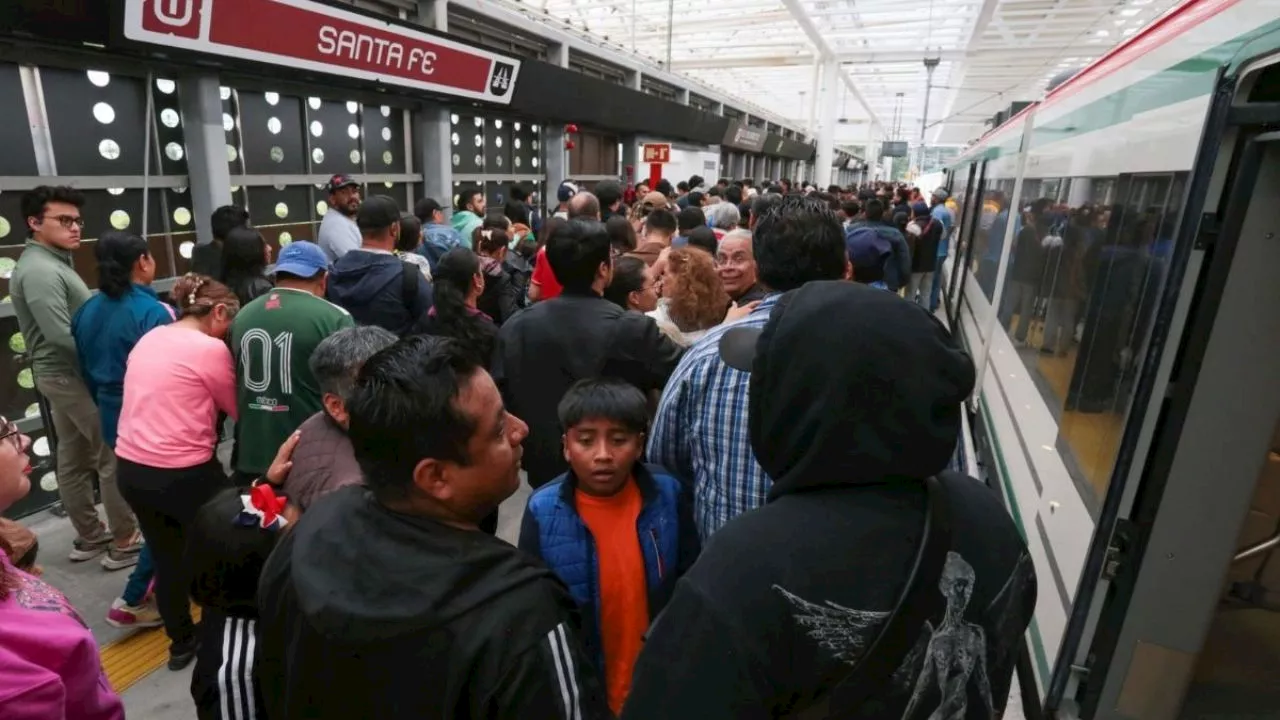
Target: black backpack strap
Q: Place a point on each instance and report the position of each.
(921, 601)
(409, 285)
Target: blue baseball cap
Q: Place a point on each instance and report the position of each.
(302, 259)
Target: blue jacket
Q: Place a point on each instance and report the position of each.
(553, 531)
(105, 331)
(438, 239)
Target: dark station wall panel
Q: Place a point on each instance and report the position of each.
(559, 95)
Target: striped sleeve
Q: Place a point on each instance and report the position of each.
(553, 680)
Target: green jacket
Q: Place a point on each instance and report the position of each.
(465, 222)
(46, 294)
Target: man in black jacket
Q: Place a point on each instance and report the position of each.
(855, 401)
(387, 601)
(547, 348)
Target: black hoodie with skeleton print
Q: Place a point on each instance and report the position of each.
(855, 398)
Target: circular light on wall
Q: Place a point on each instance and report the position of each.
(277, 153)
(456, 160)
(282, 210)
(169, 118)
(273, 125)
(355, 157)
(186, 248)
(387, 157)
(353, 131)
(479, 160)
(533, 128)
(454, 137)
(386, 111)
(17, 343)
(6, 267)
(453, 118)
(479, 141)
(116, 191)
(389, 184)
(498, 161)
(4, 228)
(516, 142)
(235, 189)
(534, 162)
(109, 149)
(49, 482)
(173, 151)
(322, 207)
(353, 107)
(534, 144)
(517, 127)
(99, 78)
(498, 141)
(224, 93)
(479, 122)
(232, 153)
(228, 123)
(33, 410)
(182, 216)
(497, 124)
(386, 134)
(316, 128)
(517, 161)
(166, 86)
(25, 379)
(119, 219)
(103, 113)
(279, 186)
(317, 156)
(284, 238)
(272, 98)
(313, 103)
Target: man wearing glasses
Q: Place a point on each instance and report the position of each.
(46, 294)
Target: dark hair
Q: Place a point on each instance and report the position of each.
(664, 187)
(243, 255)
(733, 194)
(703, 237)
(695, 181)
(516, 212)
(851, 208)
(34, 201)
(797, 242)
(695, 198)
(690, 218)
(682, 186)
(662, 221)
(449, 316)
(607, 399)
(608, 192)
(714, 192)
(226, 558)
(116, 252)
(410, 233)
(621, 235)
(496, 221)
(487, 241)
(744, 215)
(875, 210)
(227, 218)
(763, 204)
(576, 253)
(198, 295)
(425, 209)
(465, 195)
(518, 193)
(405, 409)
(628, 277)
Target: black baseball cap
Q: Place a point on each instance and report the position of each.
(377, 212)
(339, 181)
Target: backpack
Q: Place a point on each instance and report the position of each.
(409, 285)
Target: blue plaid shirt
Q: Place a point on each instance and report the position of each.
(700, 432)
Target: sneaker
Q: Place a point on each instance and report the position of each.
(82, 549)
(119, 558)
(126, 617)
(181, 654)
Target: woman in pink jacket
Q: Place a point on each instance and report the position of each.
(49, 664)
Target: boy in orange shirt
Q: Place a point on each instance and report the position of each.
(618, 532)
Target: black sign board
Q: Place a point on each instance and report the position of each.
(894, 148)
(741, 136)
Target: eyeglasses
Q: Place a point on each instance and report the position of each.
(9, 431)
(67, 221)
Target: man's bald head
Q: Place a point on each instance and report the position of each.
(584, 205)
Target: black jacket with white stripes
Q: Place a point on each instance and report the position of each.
(368, 613)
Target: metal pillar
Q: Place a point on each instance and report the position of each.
(207, 168)
(811, 127)
(718, 108)
(634, 80)
(929, 65)
(558, 55)
(682, 96)
(827, 129)
(434, 14)
(432, 130)
(631, 158)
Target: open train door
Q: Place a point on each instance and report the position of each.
(1176, 614)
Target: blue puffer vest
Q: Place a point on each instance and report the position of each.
(566, 545)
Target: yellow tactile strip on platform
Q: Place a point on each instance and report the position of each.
(128, 660)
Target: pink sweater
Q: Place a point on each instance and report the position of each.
(177, 380)
(49, 664)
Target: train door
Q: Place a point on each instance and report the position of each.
(967, 226)
(1178, 615)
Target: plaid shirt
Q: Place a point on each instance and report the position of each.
(700, 432)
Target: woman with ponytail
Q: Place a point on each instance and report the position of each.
(105, 330)
(458, 286)
(502, 293)
(179, 377)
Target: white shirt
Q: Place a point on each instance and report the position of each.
(338, 235)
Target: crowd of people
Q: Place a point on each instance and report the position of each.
(734, 406)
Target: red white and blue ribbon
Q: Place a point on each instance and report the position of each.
(262, 508)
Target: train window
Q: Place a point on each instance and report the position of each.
(1083, 280)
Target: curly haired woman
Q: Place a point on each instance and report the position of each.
(693, 299)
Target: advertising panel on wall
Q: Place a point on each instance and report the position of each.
(741, 136)
(308, 35)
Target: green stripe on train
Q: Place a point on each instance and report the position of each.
(1188, 79)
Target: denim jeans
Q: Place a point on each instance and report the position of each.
(135, 588)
